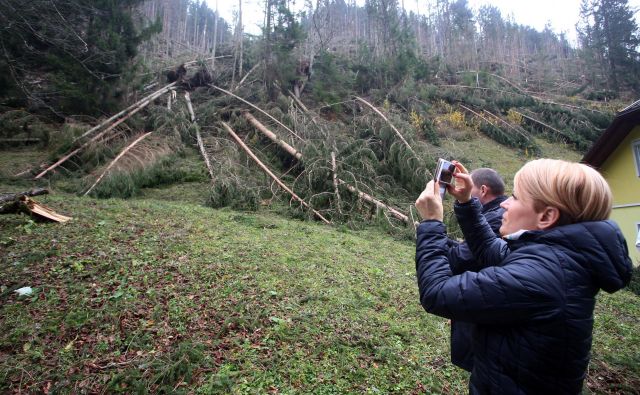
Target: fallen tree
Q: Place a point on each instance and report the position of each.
(13, 203)
(270, 173)
(113, 162)
(337, 181)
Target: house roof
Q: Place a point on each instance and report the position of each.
(622, 124)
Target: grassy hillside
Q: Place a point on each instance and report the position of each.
(156, 296)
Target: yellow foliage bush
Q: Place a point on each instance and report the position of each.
(455, 119)
(514, 117)
(416, 120)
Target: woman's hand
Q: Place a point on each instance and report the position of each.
(429, 203)
(463, 185)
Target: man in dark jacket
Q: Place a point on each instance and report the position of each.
(533, 300)
(488, 187)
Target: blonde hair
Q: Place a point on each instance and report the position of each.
(578, 191)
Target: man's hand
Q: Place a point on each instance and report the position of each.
(429, 203)
(463, 185)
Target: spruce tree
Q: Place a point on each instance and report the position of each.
(67, 56)
(609, 34)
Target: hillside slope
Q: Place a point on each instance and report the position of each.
(149, 295)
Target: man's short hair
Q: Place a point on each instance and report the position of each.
(490, 178)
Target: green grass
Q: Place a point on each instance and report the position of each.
(161, 294)
(152, 296)
(128, 289)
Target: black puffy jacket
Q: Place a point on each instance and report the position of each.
(460, 256)
(461, 260)
(532, 303)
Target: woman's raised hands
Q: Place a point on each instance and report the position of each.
(463, 185)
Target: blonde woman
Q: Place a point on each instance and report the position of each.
(532, 302)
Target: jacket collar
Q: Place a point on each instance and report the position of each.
(495, 203)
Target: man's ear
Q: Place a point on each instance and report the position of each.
(483, 190)
(548, 217)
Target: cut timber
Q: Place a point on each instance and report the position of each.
(292, 151)
(270, 173)
(203, 152)
(257, 108)
(113, 162)
(389, 122)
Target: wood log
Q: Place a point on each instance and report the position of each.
(203, 152)
(272, 136)
(113, 162)
(148, 98)
(11, 197)
(95, 138)
(368, 198)
(257, 108)
(270, 173)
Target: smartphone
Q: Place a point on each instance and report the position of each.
(444, 174)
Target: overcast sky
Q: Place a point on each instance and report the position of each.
(562, 14)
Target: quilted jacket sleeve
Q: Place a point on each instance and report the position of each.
(461, 259)
(487, 249)
(525, 289)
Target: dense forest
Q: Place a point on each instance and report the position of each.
(357, 98)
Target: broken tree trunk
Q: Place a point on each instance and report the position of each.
(368, 198)
(303, 108)
(190, 106)
(95, 138)
(362, 195)
(540, 123)
(292, 151)
(335, 181)
(257, 108)
(270, 173)
(246, 75)
(113, 162)
(149, 98)
(203, 152)
(389, 122)
(11, 197)
(21, 203)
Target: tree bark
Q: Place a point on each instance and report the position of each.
(273, 176)
(272, 136)
(257, 108)
(113, 162)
